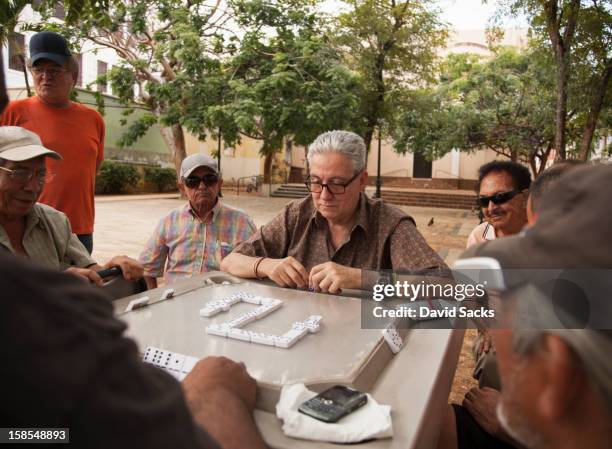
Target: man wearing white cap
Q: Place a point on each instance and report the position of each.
(71, 129)
(195, 238)
(34, 230)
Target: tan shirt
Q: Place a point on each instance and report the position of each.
(384, 237)
(49, 241)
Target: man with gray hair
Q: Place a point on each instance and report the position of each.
(73, 130)
(324, 241)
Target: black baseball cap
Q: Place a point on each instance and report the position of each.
(49, 45)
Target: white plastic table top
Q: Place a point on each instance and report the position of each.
(415, 382)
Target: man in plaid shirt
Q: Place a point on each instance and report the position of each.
(195, 238)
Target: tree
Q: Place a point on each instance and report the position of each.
(288, 81)
(279, 79)
(170, 64)
(504, 103)
(392, 45)
(579, 35)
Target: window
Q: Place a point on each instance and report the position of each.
(79, 58)
(102, 69)
(16, 51)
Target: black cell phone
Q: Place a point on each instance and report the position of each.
(108, 272)
(334, 403)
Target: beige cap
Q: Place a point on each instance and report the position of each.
(18, 144)
(194, 161)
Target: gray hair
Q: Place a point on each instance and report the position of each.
(342, 142)
(592, 348)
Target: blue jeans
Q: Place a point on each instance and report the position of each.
(87, 241)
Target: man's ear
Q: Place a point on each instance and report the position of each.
(363, 180)
(564, 379)
(181, 187)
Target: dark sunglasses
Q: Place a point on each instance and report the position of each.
(193, 182)
(498, 198)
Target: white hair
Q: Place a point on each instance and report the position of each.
(342, 142)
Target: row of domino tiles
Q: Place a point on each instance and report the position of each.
(232, 329)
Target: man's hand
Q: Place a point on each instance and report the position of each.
(287, 272)
(132, 269)
(221, 397)
(482, 405)
(330, 277)
(486, 344)
(85, 273)
(215, 373)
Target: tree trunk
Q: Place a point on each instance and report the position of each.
(374, 115)
(532, 163)
(561, 109)
(367, 138)
(175, 140)
(268, 168)
(594, 110)
(561, 46)
(4, 99)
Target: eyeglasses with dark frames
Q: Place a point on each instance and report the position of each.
(337, 188)
(193, 182)
(24, 175)
(498, 198)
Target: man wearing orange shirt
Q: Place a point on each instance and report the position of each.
(70, 129)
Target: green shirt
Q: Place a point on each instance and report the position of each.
(49, 241)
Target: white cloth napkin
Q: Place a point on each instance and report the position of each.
(370, 421)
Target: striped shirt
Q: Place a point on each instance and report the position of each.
(183, 245)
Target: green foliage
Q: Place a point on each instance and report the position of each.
(505, 103)
(392, 45)
(164, 179)
(115, 177)
(293, 85)
(576, 37)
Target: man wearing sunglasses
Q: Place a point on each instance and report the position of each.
(502, 195)
(194, 238)
(324, 241)
(34, 230)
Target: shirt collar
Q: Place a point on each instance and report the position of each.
(362, 214)
(33, 218)
(211, 214)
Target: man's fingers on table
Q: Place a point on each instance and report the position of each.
(295, 276)
(316, 278)
(325, 284)
(301, 271)
(286, 276)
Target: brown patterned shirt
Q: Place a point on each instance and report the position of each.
(384, 237)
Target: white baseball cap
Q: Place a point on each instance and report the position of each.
(194, 161)
(18, 144)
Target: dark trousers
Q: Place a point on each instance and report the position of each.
(87, 241)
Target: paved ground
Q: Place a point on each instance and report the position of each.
(124, 223)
